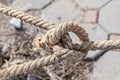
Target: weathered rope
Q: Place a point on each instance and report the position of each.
(98, 45)
(57, 35)
(25, 17)
(46, 25)
(31, 65)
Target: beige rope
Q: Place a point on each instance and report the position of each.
(44, 24)
(54, 35)
(57, 35)
(30, 19)
(25, 17)
(31, 65)
(98, 45)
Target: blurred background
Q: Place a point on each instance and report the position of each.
(100, 18)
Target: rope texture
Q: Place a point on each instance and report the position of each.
(56, 41)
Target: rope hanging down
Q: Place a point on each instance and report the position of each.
(56, 40)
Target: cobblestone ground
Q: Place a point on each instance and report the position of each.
(101, 19)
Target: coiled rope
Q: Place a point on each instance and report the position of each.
(56, 41)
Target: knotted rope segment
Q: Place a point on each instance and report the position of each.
(56, 41)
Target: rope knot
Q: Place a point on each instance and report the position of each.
(59, 36)
(56, 40)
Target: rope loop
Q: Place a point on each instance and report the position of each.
(55, 35)
(56, 41)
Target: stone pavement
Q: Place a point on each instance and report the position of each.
(99, 17)
(108, 67)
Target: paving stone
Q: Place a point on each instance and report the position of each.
(23, 5)
(79, 17)
(110, 16)
(91, 16)
(74, 38)
(61, 11)
(30, 4)
(114, 36)
(95, 31)
(108, 67)
(94, 4)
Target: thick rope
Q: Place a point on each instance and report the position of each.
(54, 36)
(31, 65)
(46, 25)
(26, 17)
(98, 45)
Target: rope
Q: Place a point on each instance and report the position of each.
(31, 65)
(25, 17)
(56, 40)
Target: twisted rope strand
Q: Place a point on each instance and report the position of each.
(31, 65)
(98, 45)
(53, 37)
(30, 19)
(26, 17)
